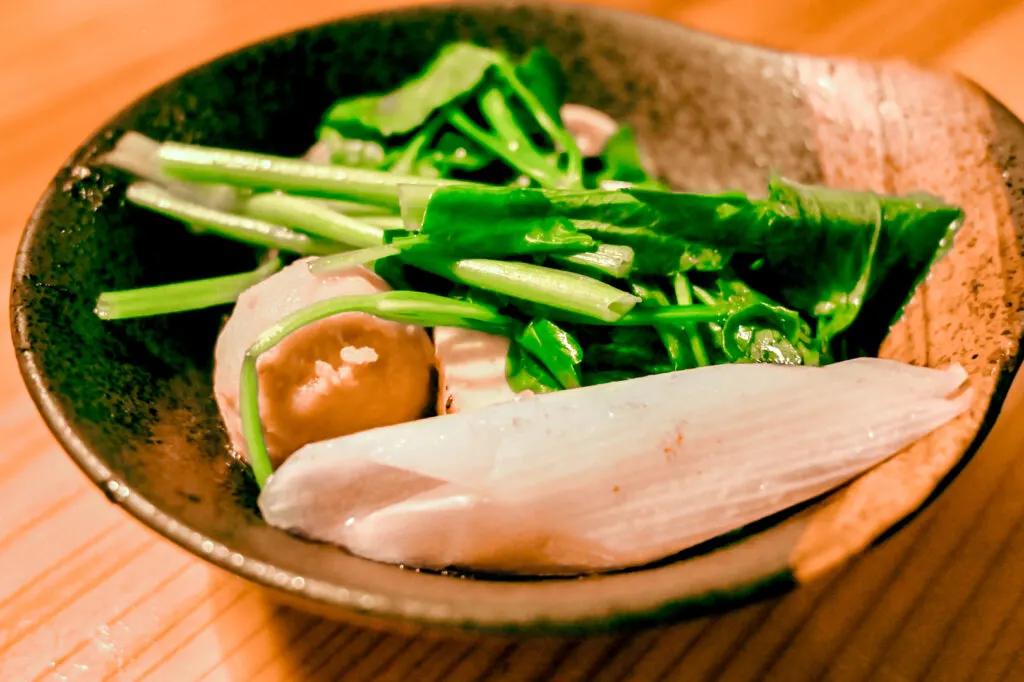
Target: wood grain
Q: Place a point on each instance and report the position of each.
(86, 593)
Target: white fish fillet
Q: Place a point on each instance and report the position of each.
(471, 369)
(608, 476)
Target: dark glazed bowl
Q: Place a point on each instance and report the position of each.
(132, 402)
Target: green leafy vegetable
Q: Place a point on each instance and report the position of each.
(622, 162)
(237, 228)
(524, 373)
(555, 348)
(568, 291)
(684, 297)
(660, 244)
(262, 171)
(454, 73)
(460, 235)
(841, 248)
(608, 260)
(549, 121)
(670, 337)
(494, 105)
(757, 329)
(519, 157)
(620, 353)
(181, 296)
(313, 218)
(409, 158)
(542, 74)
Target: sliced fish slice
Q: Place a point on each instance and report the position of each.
(608, 476)
(471, 369)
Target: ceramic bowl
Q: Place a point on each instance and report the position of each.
(132, 403)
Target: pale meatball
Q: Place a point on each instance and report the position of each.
(343, 374)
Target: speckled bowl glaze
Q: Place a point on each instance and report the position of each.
(132, 403)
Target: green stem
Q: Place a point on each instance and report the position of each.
(354, 209)
(263, 171)
(494, 106)
(349, 259)
(181, 296)
(559, 289)
(677, 315)
(407, 159)
(399, 306)
(238, 228)
(519, 159)
(609, 260)
(252, 427)
(670, 337)
(681, 284)
(559, 135)
(386, 222)
(311, 217)
(703, 295)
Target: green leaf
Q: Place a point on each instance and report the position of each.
(555, 348)
(542, 73)
(849, 258)
(623, 163)
(759, 329)
(452, 228)
(455, 72)
(521, 157)
(539, 86)
(839, 252)
(393, 271)
(702, 258)
(661, 245)
(512, 238)
(524, 373)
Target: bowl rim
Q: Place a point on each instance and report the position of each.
(366, 607)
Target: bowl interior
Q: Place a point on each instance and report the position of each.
(133, 403)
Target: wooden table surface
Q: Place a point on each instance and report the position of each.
(87, 593)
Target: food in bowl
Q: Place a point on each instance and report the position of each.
(623, 370)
